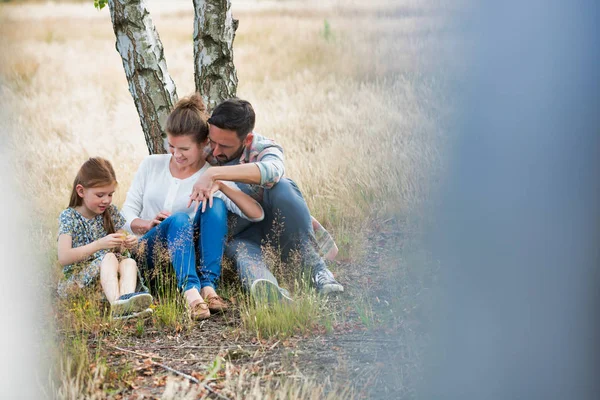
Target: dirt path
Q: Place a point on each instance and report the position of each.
(378, 355)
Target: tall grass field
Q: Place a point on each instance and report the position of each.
(350, 89)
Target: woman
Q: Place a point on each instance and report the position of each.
(157, 208)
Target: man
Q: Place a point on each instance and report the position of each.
(256, 164)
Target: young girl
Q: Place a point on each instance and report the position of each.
(89, 245)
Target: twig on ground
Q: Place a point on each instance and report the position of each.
(275, 345)
(237, 346)
(134, 352)
(334, 340)
(220, 347)
(176, 372)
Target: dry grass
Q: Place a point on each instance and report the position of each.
(251, 387)
(354, 112)
(345, 87)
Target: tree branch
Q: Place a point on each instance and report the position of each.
(174, 371)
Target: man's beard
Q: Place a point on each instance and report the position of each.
(223, 159)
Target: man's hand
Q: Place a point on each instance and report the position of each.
(202, 189)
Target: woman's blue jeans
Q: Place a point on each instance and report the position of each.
(195, 249)
(210, 230)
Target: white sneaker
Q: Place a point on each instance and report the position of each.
(265, 291)
(141, 314)
(131, 303)
(325, 283)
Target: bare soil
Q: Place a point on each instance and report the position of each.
(379, 361)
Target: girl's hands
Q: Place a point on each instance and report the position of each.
(111, 241)
(129, 241)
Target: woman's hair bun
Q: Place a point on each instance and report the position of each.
(196, 100)
(189, 118)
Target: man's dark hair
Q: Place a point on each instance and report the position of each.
(234, 115)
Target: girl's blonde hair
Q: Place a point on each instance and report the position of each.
(95, 172)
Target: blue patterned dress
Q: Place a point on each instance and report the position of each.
(84, 231)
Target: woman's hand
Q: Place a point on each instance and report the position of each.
(160, 217)
(141, 226)
(110, 241)
(202, 188)
(216, 186)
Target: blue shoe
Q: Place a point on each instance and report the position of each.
(131, 303)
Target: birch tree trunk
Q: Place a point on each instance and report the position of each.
(150, 84)
(214, 31)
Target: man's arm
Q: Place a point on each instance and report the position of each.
(265, 172)
(245, 173)
(265, 168)
(271, 166)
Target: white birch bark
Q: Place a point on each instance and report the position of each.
(214, 30)
(150, 84)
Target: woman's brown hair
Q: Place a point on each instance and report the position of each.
(189, 118)
(95, 172)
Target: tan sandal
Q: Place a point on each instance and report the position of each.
(199, 310)
(216, 303)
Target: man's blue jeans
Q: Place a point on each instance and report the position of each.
(185, 243)
(287, 222)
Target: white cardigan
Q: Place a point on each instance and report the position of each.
(154, 189)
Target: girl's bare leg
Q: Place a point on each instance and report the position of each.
(108, 277)
(128, 273)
